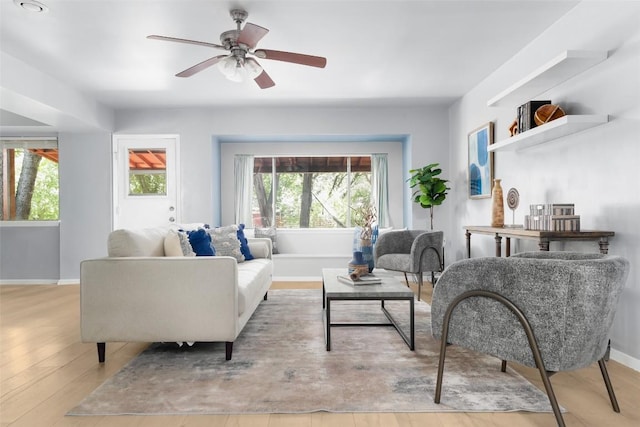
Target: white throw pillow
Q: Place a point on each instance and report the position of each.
(225, 240)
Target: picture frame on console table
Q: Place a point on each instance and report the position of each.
(480, 169)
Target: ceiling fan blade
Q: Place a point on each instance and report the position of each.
(251, 34)
(296, 58)
(264, 81)
(201, 66)
(173, 39)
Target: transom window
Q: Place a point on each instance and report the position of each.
(311, 191)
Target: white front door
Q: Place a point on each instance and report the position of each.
(146, 180)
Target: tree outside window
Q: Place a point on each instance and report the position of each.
(310, 192)
(29, 189)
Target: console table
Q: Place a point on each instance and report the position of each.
(542, 237)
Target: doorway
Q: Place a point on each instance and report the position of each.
(146, 181)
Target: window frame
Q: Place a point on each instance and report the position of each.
(24, 143)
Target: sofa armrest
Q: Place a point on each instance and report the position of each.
(260, 247)
(426, 250)
(149, 299)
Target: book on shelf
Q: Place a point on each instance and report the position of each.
(362, 280)
(525, 114)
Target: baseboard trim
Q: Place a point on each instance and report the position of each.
(69, 282)
(297, 279)
(625, 359)
(26, 282)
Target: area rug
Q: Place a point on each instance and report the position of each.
(280, 365)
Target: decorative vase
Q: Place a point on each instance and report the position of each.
(497, 205)
(366, 246)
(358, 264)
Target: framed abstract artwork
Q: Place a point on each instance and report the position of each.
(480, 162)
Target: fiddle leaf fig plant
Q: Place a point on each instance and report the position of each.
(430, 190)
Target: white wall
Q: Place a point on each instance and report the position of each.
(425, 128)
(596, 169)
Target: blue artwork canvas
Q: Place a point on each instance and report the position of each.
(480, 162)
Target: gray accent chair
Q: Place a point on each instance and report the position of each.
(410, 251)
(549, 310)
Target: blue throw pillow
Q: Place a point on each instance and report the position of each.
(244, 244)
(201, 242)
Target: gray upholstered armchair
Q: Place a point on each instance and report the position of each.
(410, 251)
(548, 310)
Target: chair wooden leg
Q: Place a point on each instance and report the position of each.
(607, 382)
(419, 284)
(406, 279)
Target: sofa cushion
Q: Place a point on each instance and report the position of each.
(201, 242)
(251, 276)
(225, 240)
(176, 243)
(139, 242)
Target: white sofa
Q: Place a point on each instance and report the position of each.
(137, 294)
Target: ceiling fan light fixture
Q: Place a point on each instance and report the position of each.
(31, 6)
(231, 68)
(252, 68)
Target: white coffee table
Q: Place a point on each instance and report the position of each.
(390, 289)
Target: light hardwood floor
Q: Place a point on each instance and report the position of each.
(45, 370)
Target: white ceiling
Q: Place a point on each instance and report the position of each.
(383, 52)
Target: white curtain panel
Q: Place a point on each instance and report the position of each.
(243, 171)
(380, 188)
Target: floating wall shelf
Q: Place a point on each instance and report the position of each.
(564, 66)
(557, 128)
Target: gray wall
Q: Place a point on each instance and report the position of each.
(85, 199)
(596, 169)
(30, 253)
(52, 253)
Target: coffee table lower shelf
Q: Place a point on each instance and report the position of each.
(408, 339)
(389, 290)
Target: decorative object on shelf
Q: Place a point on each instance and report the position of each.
(357, 265)
(526, 114)
(431, 190)
(497, 205)
(513, 200)
(513, 129)
(552, 217)
(480, 161)
(547, 113)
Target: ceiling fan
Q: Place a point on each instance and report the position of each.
(241, 44)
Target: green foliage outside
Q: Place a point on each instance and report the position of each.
(45, 202)
(147, 183)
(330, 198)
